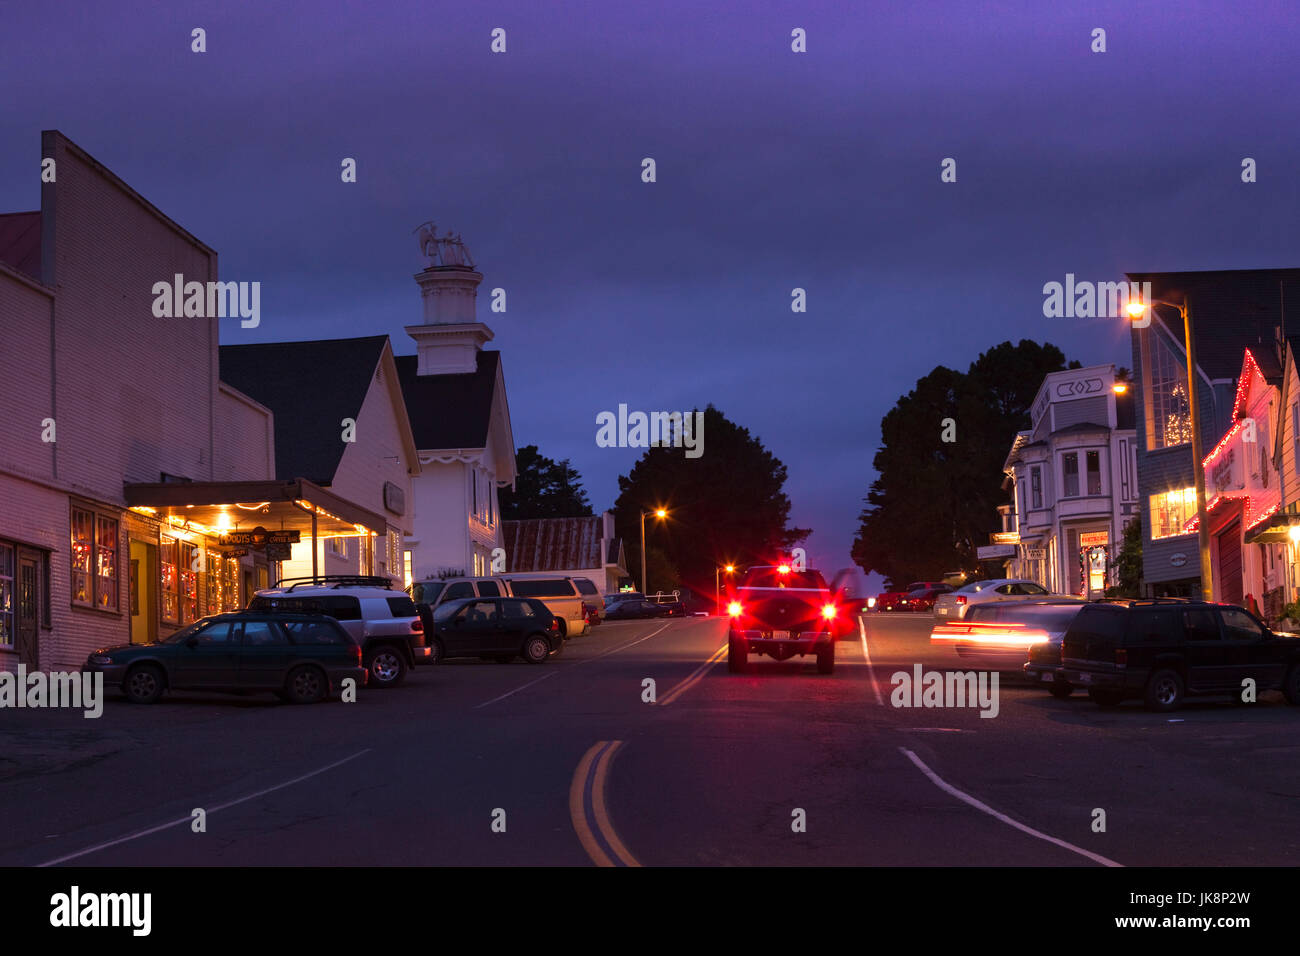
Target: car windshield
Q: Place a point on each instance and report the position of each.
(445, 612)
(975, 586)
(774, 578)
(187, 632)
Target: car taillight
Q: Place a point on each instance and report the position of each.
(555, 624)
(829, 611)
(1121, 656)
(734, 609)
(961, 599)
(417, 626)
(357, 648)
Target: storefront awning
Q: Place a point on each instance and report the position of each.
(1273, 529)
(218, 507)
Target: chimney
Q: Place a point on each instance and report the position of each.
(450, 337)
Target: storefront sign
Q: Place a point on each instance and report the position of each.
(277, 551)
(1178, 560)
(258, 538)
(394, 498)
(1034, 554)
(1091, 539)
(991, 552)
(1223, 474)
(1005, 537)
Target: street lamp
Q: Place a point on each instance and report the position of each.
(659, 513)
(1136, 309)
(717, 585)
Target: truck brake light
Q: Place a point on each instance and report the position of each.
(734, 609)
(829, 611)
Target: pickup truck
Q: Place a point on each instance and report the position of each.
(782, 612)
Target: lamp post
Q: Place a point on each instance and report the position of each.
(1135, 310)
(717, 585)
(659, 513)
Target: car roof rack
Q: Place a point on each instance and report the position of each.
(337, 581)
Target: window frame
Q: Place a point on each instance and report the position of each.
(1066, 458)
(1036, 487)
(95, 590)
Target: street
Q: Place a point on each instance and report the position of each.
(478, 763)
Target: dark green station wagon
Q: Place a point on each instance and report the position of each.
(301, 658)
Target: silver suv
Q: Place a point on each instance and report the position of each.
(386, 623)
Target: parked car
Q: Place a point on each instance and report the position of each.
(1162, 651)
(622, 596)
(386, 623)
(890, 600)
(953, 605)
(630, 608)
(301, 658)
(559, 592)
(496, 629)
(922, 599)
(1003, 636)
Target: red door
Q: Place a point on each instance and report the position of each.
(1230, 589)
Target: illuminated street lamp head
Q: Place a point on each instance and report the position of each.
(1137, 308)
(1293, 532)
(1119, 388)
(730, 568)
(661, 512)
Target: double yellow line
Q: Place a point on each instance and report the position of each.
(696, 676)
(588, 810)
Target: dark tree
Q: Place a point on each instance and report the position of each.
(543, 489)
(935, 501)
(725, 506)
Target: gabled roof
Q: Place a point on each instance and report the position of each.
(1231, 310)
(553, 544)
(20, 241)
(310, 387)
(450, 411)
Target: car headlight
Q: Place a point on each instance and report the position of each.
(100, 659)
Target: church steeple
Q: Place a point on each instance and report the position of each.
(450, 337)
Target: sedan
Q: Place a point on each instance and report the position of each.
(496, 629)
(954, 605)
(922, 599)
(301, 658)
(633, 608)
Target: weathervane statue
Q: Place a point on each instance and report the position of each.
(450, 250)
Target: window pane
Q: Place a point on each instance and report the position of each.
(1171, 511)
(189, 584)
(1070, 466)
(6, 595)
(1201, 625)
(1094, 472)
(261, 633)
(1170, 411)
(489, 589)
(1238, 625)
(167, 558)
(81, 556)
(1036, 482)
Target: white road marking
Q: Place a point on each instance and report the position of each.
(862, 629)
(985, 808)
(187, 818)
(614, 650)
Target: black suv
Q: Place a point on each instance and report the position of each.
(1165, 649)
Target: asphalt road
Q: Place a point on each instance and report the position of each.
(567, 763)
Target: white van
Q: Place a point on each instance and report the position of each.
(557, 591)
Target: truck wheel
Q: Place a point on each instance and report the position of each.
(1164, 691)
(386, 665)
(1291, 687)
(737, 655)
(826, 660)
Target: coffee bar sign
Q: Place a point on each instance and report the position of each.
(259, 539)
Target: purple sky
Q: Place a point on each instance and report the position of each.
(776, 170)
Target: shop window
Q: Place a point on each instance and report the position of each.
(169, 575)
(1170, 511)
(1093, 459)
(1070, 474)
(212, 582)
(189, 583)
(1169, 420)
(6, 595)
(94, 560)
(230, 584)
